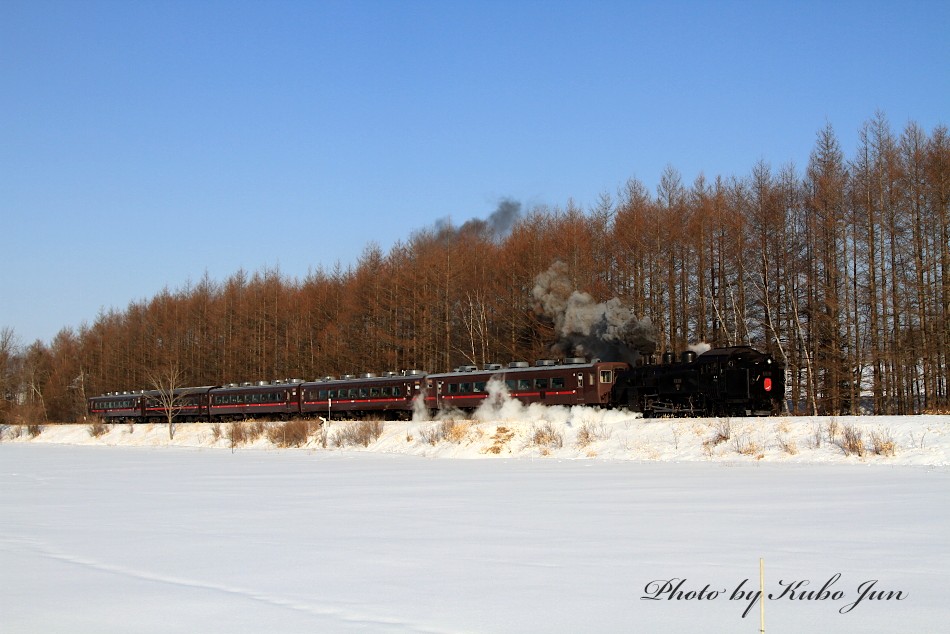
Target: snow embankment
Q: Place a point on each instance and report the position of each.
(553, 432)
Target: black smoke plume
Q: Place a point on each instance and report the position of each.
(605, 330)
(498, 224)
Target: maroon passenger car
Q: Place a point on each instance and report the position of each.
(570, 382)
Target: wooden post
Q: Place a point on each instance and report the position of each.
(761, 595)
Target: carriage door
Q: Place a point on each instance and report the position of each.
(581, 394)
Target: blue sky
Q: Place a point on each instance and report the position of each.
(143, 144)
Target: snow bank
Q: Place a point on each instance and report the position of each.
(511, 430)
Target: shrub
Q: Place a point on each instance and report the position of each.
(882, 442)
(255, 430)
(851, 441)
(787, 445)
(746, 446)
(722, 431)
(358, 433)
(546, 437)
(97, 428)
(237, 434)
(290, 434)
(434, 434)
(499, 440)
(216, 431)
(833, 430)
(455, 431)
(34, 430)
(591, 432)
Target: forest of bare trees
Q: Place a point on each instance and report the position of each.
(841, 271)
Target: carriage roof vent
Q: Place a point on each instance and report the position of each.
(246, 384)
(545, 362)
(368, 375)
(347, 376)
(412, 372)
(390, 373)
(574, 360)
(328, 378)
(493, 366)
(468, 368)
(232, 385)
(518, 364)
(263, 382)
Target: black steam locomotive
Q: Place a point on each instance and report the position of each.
(738, 381)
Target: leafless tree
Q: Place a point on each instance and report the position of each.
(168, 393)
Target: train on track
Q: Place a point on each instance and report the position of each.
(735, 381)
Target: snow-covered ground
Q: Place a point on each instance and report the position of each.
(133, 532)
(579, 432)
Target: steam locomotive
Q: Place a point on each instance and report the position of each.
(738, 381)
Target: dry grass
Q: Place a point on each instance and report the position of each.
(722, 431)
(215, 432)
(453, 431)
(433, 434)
(746, 445)
(499, 440)
(457, 432)
(546, 437)
(246, 432)
(591, 433)
(882, 442)
(787, 444)
(97, 428)
(295, 433)
(237, 434)
(358, 433)
(833, 430)
(852, 441)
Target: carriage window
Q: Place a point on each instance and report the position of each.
(557, 383)
(396, 391)
(480, 386)
(387, 391)
(453, 388)
(465, 388)
(353, 392)
(606, 376)
(541, 384)
(322, 395)
(510, 384)
(373, 392)
(524, 384)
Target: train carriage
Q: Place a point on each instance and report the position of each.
(117, 407)
(280, 399)
(188, 404)
(389, 396)
(571, 382)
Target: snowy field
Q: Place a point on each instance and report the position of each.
(132, 532)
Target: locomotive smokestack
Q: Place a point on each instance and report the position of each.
(607, 330)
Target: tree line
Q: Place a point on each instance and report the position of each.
(841, 271)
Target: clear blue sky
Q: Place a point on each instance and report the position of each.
(145, 143)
